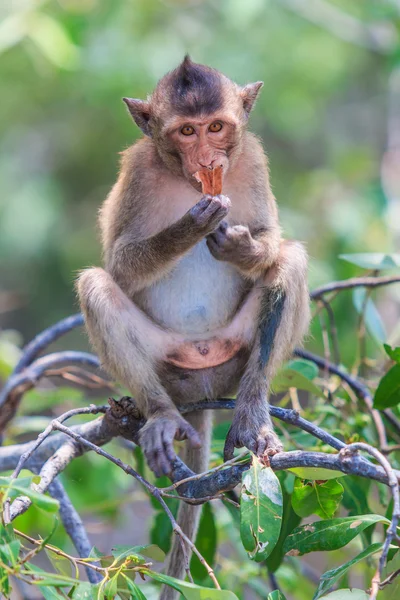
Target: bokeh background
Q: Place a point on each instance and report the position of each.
(329, 116)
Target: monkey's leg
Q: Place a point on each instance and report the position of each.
(189, 515)
(130, 345)
(282, 321)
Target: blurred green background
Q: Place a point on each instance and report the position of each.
(327, 114)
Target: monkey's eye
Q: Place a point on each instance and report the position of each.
(214, 127)
(187, 130)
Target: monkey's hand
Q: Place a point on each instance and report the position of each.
(250, 431)
(233, 244)
(157, 438)
(208, 213)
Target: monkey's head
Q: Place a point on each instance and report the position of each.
(196, 117)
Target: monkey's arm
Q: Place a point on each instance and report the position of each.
(252, 251)
(135, 264)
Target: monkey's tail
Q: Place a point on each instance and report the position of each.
(189, 515)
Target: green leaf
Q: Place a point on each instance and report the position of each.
(347, 595)
(320, 499)
(314, 473)
(190, 591)
(140, 553)
(393, 353)
(276, 595)
(21, 487)
(111, 588)
(289, 521)
(261, 507)
(372, 317)
(290, 378)
(330, 534)
(9, 552)
(85, 591)
(373, 260)
(206, 543)
(46, 503)
(304, 367)
(388, 391)
(329, 578)
(161, 531)
(50, 579)
(136, 592)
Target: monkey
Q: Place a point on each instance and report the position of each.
(200, 295)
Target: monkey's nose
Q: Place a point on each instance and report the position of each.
(205, 164)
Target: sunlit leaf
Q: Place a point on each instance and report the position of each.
(347, 595)
(288, 378)
(261, 507)
(320, 499)
(329, 534)
(304, 367)
(329, 578)
(140, 553)
(314, 473)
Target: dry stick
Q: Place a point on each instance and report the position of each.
(151, 488)
(393, 483)
(357, 386)
(49, 471)
(55, 550)
(41, 437)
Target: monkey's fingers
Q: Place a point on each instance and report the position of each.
(230, 445)
(188, 432)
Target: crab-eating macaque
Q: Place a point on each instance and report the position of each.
(200, 296)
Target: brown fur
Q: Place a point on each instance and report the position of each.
(200, 297)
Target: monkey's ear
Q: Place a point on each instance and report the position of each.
(140, 111)
(249, 95)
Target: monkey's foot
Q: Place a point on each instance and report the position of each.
(157, 440)
(260, 439)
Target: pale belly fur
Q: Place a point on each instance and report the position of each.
(199, 295)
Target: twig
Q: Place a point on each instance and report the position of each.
(391, 533)
(348, 284)
(41, 437)
(18, 384)
(151, 488)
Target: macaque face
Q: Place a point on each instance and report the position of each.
(202, 143)
(196, 117)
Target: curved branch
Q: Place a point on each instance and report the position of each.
(18, 384)
(45, 338)
(354, 282)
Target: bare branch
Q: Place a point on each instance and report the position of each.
(347, 454)
(349, 284)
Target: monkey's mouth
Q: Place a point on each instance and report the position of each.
(210, 180)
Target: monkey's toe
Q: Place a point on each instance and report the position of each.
(157, 441)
